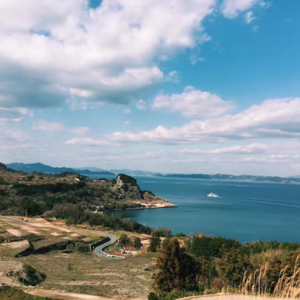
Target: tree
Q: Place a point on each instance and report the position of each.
(152, 296)
(273, 273)
(124, 240)
(163, 232)
(31, 207)
(165, 242)
(155, 243)
(177, 269)
(137, 243)
(232, 267)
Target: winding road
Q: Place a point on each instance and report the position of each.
(99, 250)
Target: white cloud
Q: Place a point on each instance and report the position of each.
(13, 140)
(173, 76)
(127, 122)
(48, 126)
(249, 17)
(232, 8)
(85, 141)
(81, 131)
(14, 114)
(141, 105)
(55, 50)
(193, 103)
(274, 118)
(238, 149)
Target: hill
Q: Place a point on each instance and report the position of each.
(132, 172)
(39, 167)
(36, 193)
(272, 179)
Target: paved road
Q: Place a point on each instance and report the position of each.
(99, 250)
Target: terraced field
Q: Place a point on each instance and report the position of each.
(46, 246)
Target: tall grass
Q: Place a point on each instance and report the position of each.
(287, 286)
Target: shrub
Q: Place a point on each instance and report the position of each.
(152, 296)
(177, 270)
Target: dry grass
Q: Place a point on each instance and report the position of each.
(286, 287)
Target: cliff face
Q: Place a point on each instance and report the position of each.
(128, 187)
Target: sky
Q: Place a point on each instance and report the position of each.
(173, 86)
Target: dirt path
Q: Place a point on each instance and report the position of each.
(57, 294)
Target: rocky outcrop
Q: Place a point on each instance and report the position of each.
(129, 187)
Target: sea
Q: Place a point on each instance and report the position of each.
(245, 211)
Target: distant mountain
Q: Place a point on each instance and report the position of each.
(132, 172)
(92, 169)
(38, 167)
(253, 178)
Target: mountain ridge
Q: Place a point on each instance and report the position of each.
(39, 167)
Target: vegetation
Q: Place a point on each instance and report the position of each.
(259, 267)
(207, 246)
(155, 243)
(33, 194)
(127, 179)
(177, 269)
(137, 243)
(10, 293)
(74, 215)
(124, 240)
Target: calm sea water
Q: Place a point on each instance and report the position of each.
(246, 211)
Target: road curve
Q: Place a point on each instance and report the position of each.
(99, 250)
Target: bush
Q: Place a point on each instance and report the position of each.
(83, 248)
(152, 296)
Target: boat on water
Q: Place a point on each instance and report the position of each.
(212, 195)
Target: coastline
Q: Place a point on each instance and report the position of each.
(171, 205)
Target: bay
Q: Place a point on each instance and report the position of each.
(245, 211)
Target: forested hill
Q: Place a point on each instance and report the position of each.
(253, 178)
(38, 167)
(36, 193)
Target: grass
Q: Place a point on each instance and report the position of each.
(286, 286)
(88, 274)
(9, 293)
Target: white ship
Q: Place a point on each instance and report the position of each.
(212, 195)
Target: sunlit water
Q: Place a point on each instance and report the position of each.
(245, 211)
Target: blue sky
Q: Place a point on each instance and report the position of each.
(192, 86)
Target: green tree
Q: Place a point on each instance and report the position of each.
(124, 240)
(177, 269)
(152, 296)
(165, 242)
(155, 243)
(232, 267)
(273, 273)
(137, 243)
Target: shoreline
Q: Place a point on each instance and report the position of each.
(141, 208)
